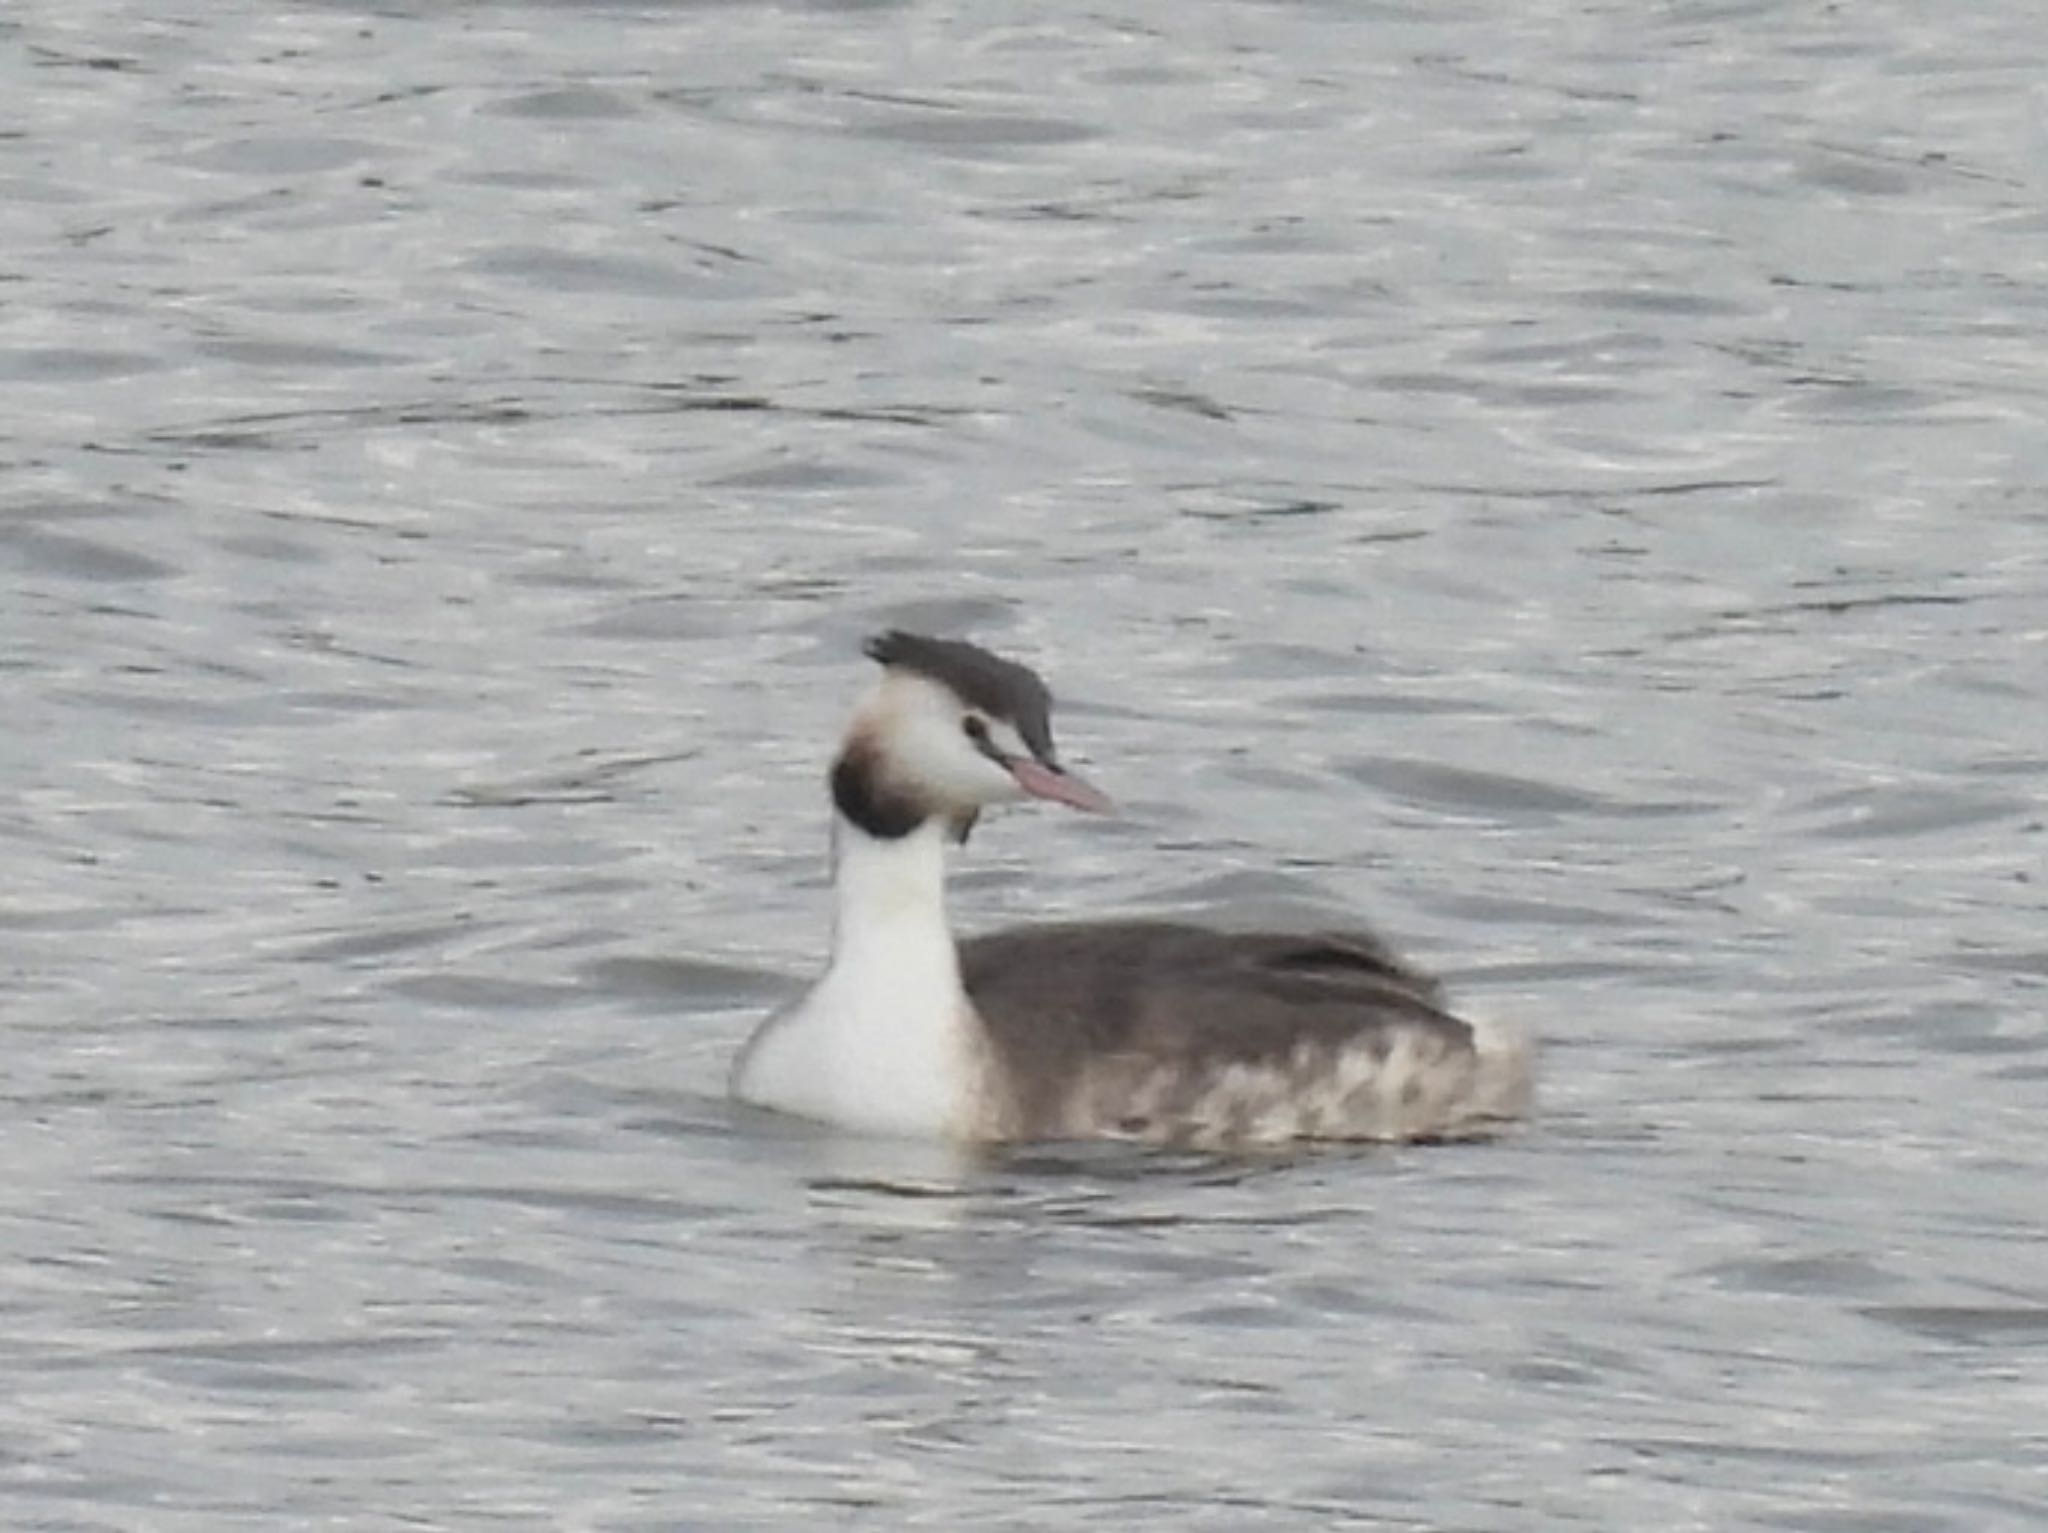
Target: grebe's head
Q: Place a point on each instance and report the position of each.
(949, 730)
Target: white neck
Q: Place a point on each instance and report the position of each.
(884, 1041)
(887, 893)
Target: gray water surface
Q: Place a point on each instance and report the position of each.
(1564, 482)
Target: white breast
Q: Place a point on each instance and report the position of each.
(885, 1042)
(880, 1047)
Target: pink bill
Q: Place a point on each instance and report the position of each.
(1041, 781)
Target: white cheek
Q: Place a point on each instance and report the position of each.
(938, 753)
(1007, 740)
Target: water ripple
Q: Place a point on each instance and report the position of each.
(1561, 485)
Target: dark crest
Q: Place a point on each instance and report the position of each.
(998, 687)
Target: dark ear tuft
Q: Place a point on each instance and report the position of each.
(863, 794)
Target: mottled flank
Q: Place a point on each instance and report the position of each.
(1179, 1034)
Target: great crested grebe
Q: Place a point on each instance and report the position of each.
(1158, 1031)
